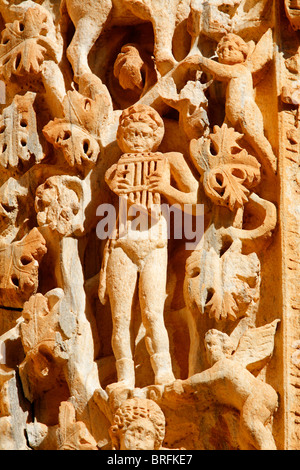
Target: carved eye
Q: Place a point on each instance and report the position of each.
(66, 136)
(23, 123)
(86, 146)
(195, 272)
(87, 105)
(15, 280)
(238, 173)
(219, 179)
(25, 260)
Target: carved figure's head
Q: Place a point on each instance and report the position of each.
(139, 424)
(232, 50)
(218, 345)
(141, 129)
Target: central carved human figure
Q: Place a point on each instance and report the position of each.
(143, 176)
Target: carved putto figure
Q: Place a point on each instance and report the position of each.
(237, 65)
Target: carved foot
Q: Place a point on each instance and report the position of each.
(161, 364)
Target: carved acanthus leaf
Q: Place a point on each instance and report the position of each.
(191, 95)
(46, 352)
(19, 263)
(226, 287)
(24, 45)
(19, 140)
(72, 434)
(41, 319)
(228, 171)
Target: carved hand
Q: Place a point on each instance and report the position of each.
(120, 184)
(196, 59)
(117, 180)
(159, 182)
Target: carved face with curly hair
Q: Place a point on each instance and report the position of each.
(141, 129)
(139, 424)
(232, 50)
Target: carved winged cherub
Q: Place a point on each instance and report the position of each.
(142, 176)
(237, 65)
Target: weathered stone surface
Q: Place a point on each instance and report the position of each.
(149, 225)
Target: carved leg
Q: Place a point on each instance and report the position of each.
(163, 31)
(196, 351)
(82, 42)
(261, 145)
(152, 293)
(257, 410)
(252, 125)
(88, 29)
(121, 286)
(163, 18)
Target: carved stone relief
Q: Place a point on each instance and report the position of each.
(149, 221)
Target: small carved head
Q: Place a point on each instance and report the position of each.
(141, 129)
(218, 346)
(139, 424)
(232, 50)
